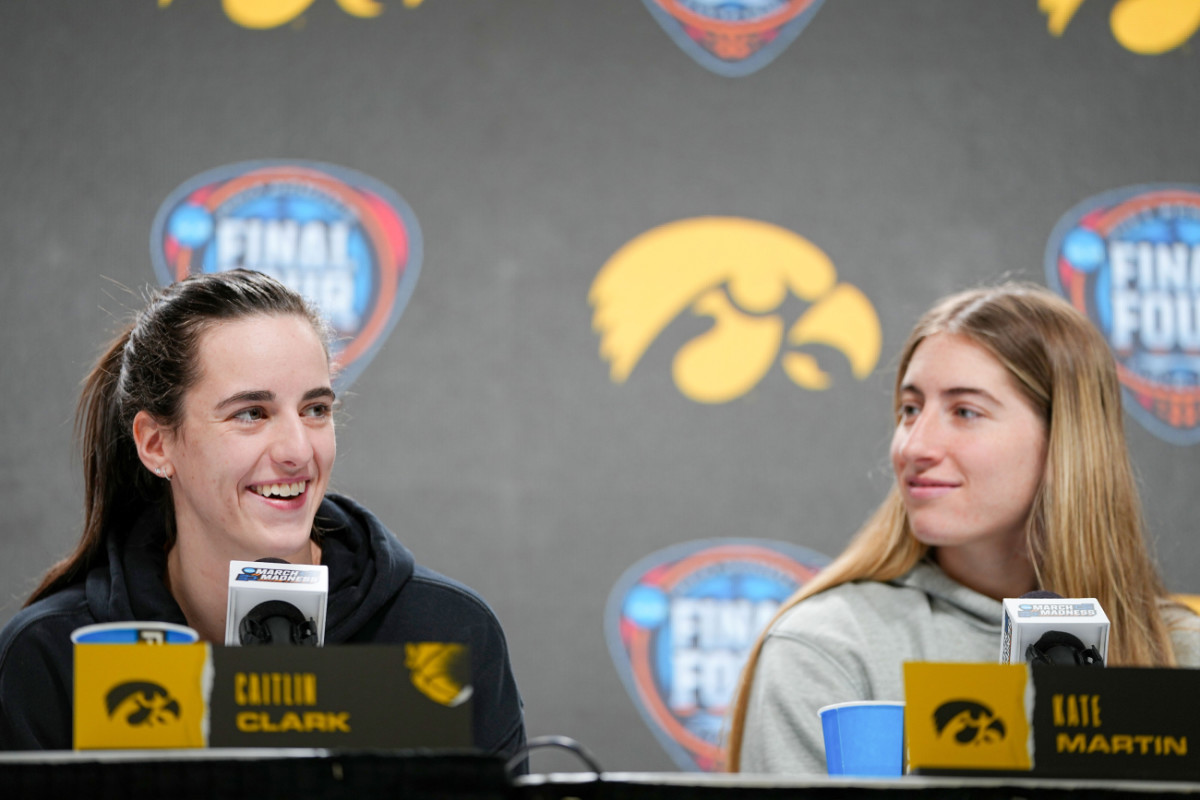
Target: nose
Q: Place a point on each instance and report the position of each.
(290, 442)
(919, 439)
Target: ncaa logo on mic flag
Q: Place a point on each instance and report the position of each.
(344, 240)
(680, 624)
(1130, 260)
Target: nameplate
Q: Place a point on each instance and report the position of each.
(139, 696)
(967, 717)
(415, 696)
(1058, 722)
(410, 696)
(1117, 722)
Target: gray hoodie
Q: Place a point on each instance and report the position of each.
(848, 643)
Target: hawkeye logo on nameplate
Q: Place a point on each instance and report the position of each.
(138, 697)
(967, 717)
(411, 696)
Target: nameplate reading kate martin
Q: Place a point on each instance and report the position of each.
(1084, 711)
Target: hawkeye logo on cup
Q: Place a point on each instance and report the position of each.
(679, 625)
(342, 239)
(733, 37)
(1130, 260)
(764, 289)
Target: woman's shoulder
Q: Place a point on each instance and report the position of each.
(450, 595)
(851, 605)
(1183, 625)
(46, 624)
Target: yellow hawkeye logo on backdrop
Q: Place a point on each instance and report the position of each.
(263, 14)
(739, 273)
(1148, 27)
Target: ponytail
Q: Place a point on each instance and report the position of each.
(112, 480)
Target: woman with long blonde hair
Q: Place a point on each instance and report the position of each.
(1012, 475)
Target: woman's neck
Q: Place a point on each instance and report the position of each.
(202, 587)
(996, 575)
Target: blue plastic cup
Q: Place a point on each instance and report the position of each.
(135, 632)
(864, 738)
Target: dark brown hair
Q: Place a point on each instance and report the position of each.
(150, 366)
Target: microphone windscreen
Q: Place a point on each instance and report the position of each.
(252, 584)
(1025, 620)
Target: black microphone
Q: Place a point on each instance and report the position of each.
(1043, 627)
(272, 602)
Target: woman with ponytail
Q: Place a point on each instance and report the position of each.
(207, 436)
(1012, 475)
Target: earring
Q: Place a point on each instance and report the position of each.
(158, 471)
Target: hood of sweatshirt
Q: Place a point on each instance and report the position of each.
(976, 609)
(367, 564)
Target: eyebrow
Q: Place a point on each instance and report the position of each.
(955, 391)
(267, 396)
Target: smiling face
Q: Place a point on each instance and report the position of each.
(968, 451)
(252, 456)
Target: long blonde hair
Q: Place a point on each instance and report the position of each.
(1085, 532)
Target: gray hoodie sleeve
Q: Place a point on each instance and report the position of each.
(793, 681)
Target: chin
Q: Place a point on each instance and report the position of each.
(276, 546)
(935, 538)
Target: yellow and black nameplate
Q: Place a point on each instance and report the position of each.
(967, 717)
(138, 696)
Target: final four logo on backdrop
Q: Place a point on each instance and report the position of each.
(680, 623)
(773, 297)
(733, 37)
(342, 239)
(1130, 260)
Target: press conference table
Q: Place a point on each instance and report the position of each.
(300, 774)
(684, 786)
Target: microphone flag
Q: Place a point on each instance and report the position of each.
(1032, 627)
(262, 593)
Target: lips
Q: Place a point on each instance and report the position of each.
(928, 488)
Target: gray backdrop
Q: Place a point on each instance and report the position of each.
(925, 146)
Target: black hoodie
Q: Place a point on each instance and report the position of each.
(377, 594)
